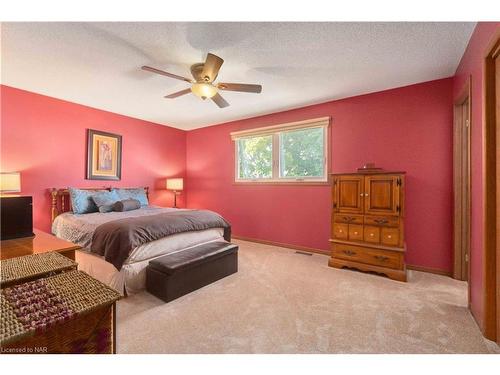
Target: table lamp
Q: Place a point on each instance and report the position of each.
(176, 185)
(10, 182)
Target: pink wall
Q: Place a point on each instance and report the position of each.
(45, 139)
(405, 129)
(472, 65)
(408, 128)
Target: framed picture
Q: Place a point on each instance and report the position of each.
(104, 155)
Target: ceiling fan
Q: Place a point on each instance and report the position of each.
(203, 85)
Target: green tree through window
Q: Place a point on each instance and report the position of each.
(302, 153)
(255, 157)
(285, 154)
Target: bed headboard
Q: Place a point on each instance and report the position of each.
(61, 203)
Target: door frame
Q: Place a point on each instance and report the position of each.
(458, 223)
(491, 259)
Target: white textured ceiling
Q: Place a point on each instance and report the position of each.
(98, 64)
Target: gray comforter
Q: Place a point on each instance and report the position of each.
(116, 239)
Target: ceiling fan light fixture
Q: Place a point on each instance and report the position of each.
(204, 90)
(204, 74)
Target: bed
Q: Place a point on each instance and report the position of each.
(130, 278)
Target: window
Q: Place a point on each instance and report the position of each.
(296, 152)
(255, 157)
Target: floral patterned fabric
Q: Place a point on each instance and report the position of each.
(80, 228)
(81, 200)
(105, 200)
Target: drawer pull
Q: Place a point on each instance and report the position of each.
(371, 234)
(349, 252)
(389, 236)
(381, 221)
(348, 219)
(381, 258)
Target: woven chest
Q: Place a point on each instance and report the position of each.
(70, 312)
(31, 267)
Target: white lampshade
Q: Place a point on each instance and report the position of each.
(175, 184)
(10, 182)
(204, 90)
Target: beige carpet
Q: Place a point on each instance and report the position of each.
(283, 302)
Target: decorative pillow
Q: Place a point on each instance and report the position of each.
(137, 194)
(81, 200)
(105, 200)
(127, 205)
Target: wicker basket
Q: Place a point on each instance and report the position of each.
(30, 267)
(67, 313)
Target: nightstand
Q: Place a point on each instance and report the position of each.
(41, 243)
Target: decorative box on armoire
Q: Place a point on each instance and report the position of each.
(368, 222)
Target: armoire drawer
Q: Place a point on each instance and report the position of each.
(382, 258)
(348, 219)
(389, 236)
(371, 234)
(385, 221)
(355, 232)
(340, 231)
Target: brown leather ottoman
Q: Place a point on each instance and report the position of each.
(174, 275)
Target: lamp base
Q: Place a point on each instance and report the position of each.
(175, 198)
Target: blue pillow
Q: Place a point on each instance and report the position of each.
(81, 200)
(105, 200)
(137, 194)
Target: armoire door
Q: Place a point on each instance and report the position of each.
(349, 194)
(382, 195)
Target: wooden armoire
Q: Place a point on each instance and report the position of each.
(368, 222)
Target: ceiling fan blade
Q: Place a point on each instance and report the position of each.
(211, 67)
(158, 71)
(220, 101)
(178, 93)
(243, 87)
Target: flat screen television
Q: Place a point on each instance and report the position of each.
(17, 217)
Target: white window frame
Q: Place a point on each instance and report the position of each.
(275, 131)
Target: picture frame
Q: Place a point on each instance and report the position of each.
(104, 155)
